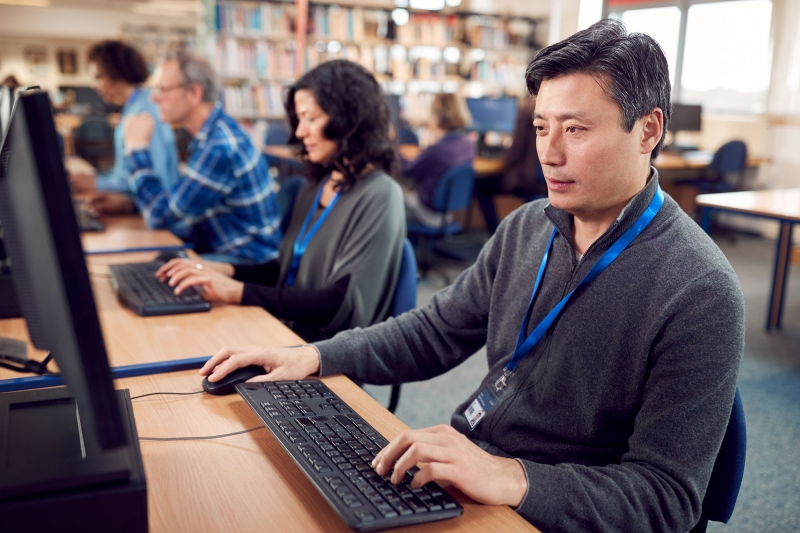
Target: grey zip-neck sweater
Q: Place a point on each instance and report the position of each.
(618, 413)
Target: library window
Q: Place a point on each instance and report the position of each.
(723, 61)
(728, 56)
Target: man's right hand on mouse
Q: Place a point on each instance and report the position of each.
(280, 363)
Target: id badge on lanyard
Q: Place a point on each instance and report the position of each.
(491, 395)
(480, 406)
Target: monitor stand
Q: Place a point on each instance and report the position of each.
(53, 472)
(9, 305)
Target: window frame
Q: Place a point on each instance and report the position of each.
(684, 6)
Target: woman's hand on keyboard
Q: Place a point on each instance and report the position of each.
(215, 286)
(451, 456)
(296, 362)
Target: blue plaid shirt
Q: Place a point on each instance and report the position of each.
(226, 194)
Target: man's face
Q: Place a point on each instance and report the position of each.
(591, 164)
(173, 99)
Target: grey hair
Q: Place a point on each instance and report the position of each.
(195, 69)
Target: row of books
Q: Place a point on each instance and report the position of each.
(254, 100)
(253, 20)
(347, 23)
(356, 24)
(154, 42)
(258, 59)
(508, 74)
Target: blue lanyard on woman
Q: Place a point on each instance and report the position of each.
(525, 345)
(303, 238)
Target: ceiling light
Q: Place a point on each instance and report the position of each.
(400, 16)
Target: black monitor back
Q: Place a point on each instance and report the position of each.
(50, 273)
(686, 117)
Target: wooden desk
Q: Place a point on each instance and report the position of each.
(780, 205)
(236, 483)
(126, 231)
(695, 161)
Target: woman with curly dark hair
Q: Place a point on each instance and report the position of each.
(340, 256)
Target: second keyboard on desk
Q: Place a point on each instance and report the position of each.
(334, 447)
(138, 288)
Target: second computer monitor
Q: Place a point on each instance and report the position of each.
(492, 114)
(685, 117)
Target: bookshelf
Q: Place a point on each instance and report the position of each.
(256, 48)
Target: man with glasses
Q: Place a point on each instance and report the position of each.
(224, 202)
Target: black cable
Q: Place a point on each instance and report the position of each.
(204, 438)
(175, 393)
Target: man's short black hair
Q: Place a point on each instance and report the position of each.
(630, 66)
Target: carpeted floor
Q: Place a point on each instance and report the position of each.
(769, 382)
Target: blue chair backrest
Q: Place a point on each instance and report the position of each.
(405, 294)
(731, 157)
(277, 134)
(726, 477)
(286, 197)
(454, 190)
(94, 129)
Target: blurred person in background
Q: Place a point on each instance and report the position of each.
(120, 72)
(224, 204)
(453, 148)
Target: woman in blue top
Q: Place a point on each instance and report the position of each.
(120, 72)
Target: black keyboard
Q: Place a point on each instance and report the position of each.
(87, 219)
(138, 288)
(334, 447)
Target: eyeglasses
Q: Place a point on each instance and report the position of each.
(159, 91)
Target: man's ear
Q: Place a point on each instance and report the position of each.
(652, 129)
(196, 93)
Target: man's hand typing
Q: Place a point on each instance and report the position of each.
(452, 457)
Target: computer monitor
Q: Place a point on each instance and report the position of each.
(493, 114)
(50, 273)
(6, 104)
(394, 107)
(685, 117)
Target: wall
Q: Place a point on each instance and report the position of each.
(12, 61)
(64, 28)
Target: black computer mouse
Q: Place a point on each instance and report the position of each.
(167, 255)
(227, 384)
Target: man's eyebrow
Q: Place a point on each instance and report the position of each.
(579, 115)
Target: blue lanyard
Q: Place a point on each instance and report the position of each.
(303, 238)
(525, 345)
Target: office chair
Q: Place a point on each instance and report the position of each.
(729, 159)
(94, 141)
(286, 196)
(726, 477)
(453, 193)
(277, 134)
(405, 299)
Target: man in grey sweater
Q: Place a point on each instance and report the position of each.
(613, 419)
